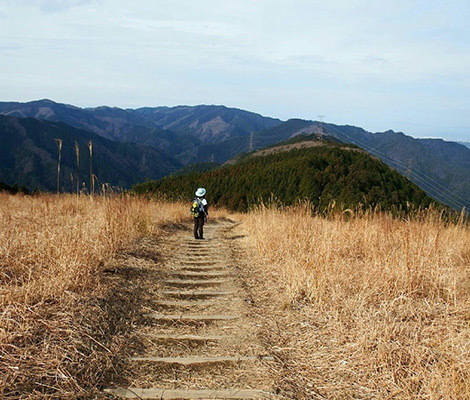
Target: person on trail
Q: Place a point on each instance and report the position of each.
(199, 211)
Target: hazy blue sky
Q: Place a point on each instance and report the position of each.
(402, 65)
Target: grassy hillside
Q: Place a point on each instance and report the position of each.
(369, 307)
(372, 307)
(323, 174)
(63, 319)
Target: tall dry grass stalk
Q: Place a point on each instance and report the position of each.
(52, 295)
(59, 148)
(380, 307)
(77, 164)
(92, 177)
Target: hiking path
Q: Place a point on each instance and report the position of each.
(196, 337)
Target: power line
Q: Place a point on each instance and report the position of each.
(424, 180)
(433, 187)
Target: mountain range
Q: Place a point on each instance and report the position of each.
(28, 156)
(466, 144)
(316, 169)
(439, 167)
(178, 131)
(185, 135)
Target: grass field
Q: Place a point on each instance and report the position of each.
(356, 306)
(374, 307)
(58, 315)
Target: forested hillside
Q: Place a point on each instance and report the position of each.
(174, 130)
(323, 174)
(28, 157)
(439, 167)
(206, 133)
(209, 123)
(194, 168)
(13, 189)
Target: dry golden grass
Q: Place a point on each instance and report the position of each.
(365, 307)
(56, 321)
(374, 307)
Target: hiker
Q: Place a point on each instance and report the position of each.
(199, 212)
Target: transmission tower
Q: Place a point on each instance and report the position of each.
(251, 148)
(408, 168)
(318, 129)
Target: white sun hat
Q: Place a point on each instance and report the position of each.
(200, 192)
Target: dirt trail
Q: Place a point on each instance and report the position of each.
(197, 337)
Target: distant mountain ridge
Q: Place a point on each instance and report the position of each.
(175, 130)
(210, 124)
(28, 156)
(202, 134)
(439, 167)
(322, 171)
(466, 144)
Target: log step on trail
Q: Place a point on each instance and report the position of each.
(197, 293)
(173, 394)
(190, 314)
(198, 274)
(190, 282)
(192, 338)
(199, 256)
(189, 261)
(200, 267)
(190, 303)
(183, 317)
(199, 360)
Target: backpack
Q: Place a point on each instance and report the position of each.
(195, 208)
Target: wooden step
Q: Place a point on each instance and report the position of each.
(195, 282)
(193, 338)
(209, 274)
(198, 360)
(209, 248)
(196, 302)
(189, 317)
(198, 255)
(197, 262)
(199, 267)
(204, 250)
(201, 243)
(187, 303)
(173, 394)
(197, 293)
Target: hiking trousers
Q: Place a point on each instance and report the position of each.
(198, 227)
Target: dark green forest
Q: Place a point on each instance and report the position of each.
(13, 189)
(28, 157)
(322, 175)
(196, 168)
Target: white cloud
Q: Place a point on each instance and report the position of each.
(202, 28)
(54, 5)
